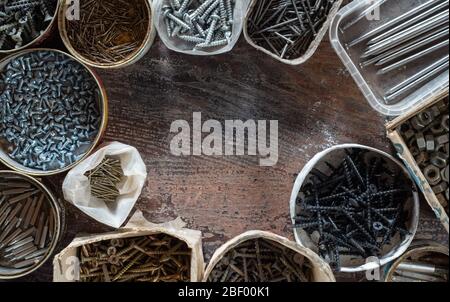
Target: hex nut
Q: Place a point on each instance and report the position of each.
(422, 158)
(425, 117)
(421, 142)
(439, 159)
(435, 111)
(436, 128)
(414, 151)
(443, 107)
(442, 139)
(433, 175)
(431, 145)
(444, 122)
(442, 200)
(409, 134)
(444, 174)
(418, 125)
(440, 188)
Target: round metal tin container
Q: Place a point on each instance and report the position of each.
(102, 106)
(136, 56)
(59, 229)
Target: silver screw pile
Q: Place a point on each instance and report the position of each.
(22, 21)
(200, 23)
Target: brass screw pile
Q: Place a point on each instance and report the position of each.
(155, 258)
(23, 21)
(105, 178)
(109, 31)
(261, 260)
(26, 223)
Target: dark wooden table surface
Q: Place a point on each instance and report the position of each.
(317, 105)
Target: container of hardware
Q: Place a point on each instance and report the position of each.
(344, 234)
(399, 59)
(182, 27)
(107, 184)
(425, 261)
(300, 264)
(27, 232)
(70, 264)
(18, 32)
(310, 28)
(80, 113)
(403, 134)
(117, 39)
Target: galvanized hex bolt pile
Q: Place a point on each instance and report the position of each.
(22, 21)
(49, 110)
(287, 28)
(356, 210)
(262, 260)
(427, 136)
(202, 24)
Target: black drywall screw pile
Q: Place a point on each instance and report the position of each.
(27, 223)
(357, 209)
(22, 21)
(287, 27)
(153, 258)
(427, 137)
(49, 112)
(262, 260)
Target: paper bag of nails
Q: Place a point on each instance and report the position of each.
(107, 184)
(139, 252)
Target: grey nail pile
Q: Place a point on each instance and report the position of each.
(22, 21)
(49, 112)
(202, 24)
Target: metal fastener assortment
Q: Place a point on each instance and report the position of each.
(109, 31)
(27, 223)
(153, 258)
(427, 137)
(202, 24)
(49, 113)
(261, 260)
(428, 267)
(21, 22)
(287, 28)
(356, 211)
(405, 40)
(105, 178)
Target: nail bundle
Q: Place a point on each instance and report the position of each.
(427, 137)
(27, 223)
(287, 28)
(419, 34)
(424, 267)
(153, 258)
(49, 114)
(21, 22)
(104, 179)
(357, 210)
(261, 260)
(109, 31)
(200, 25)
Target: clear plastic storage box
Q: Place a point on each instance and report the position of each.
(358, 18)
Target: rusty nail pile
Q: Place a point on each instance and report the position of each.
(109, 31)
(262, 260)
(152, 258)
(287, 28)
(105, 178)
(27, 223)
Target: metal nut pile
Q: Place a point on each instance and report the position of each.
(153, 258)
(427, 137)
(23, 21)
(262, 260)
(202, 24)
(356, 210)
(105, 178)
(49, 112)
(27, 223)
(287, 28)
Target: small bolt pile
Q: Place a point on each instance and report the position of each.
(262, 260)
(105, 178)
(357, 209)
(49, 112)
(27, 223)
(153, 258)
(23, 21)
(109, 31)
(427, 137)
(428, 267)
(204, 24)
(287, 28)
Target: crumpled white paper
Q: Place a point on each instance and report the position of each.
(77, 189)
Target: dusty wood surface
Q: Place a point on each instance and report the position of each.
(317, 105)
